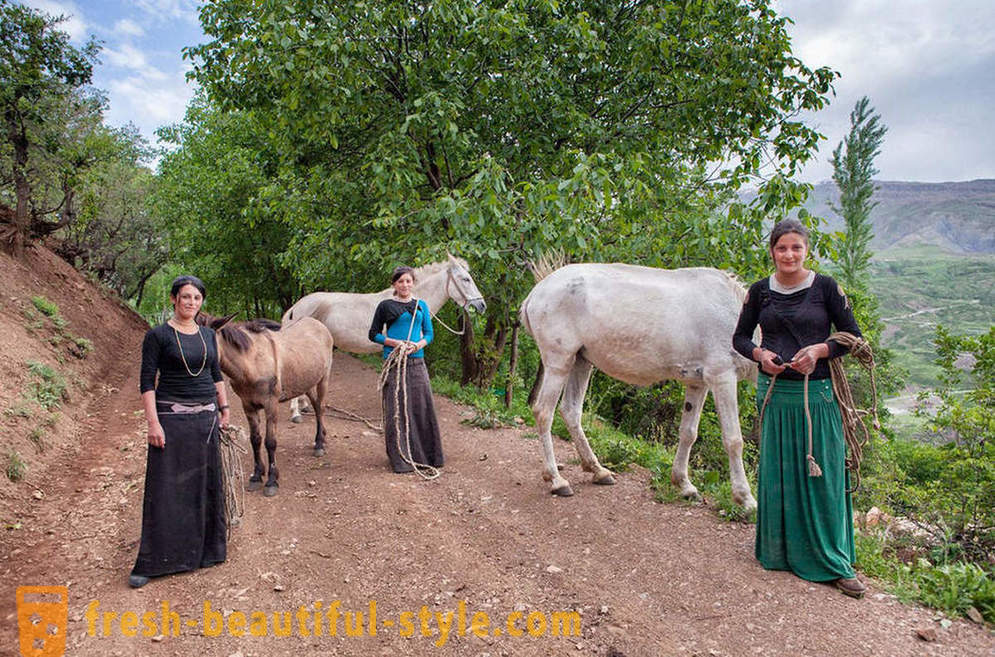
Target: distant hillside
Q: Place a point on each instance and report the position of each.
(957, 216)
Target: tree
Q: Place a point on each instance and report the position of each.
(215, 194)
(41, 100)
(853, 173)
(115, 237)
(501, 129)
(959, 495)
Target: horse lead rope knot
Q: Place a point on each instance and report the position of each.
(853, 426)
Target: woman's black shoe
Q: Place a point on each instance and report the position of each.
(137, 581)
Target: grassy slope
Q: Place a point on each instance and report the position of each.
(920, 287)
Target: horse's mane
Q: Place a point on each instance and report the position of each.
(433, 268)
(547, 263)
(237, 334)
(737, 285)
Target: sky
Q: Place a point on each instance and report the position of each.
(928, 67)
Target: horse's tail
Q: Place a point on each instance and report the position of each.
(523, 316)
(547, 263)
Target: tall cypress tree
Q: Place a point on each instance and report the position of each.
(853, 173)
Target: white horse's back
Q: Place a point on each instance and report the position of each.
(347, 316)
(638, 324)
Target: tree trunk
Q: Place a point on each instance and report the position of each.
(481, 358)
(468, 356)
(512, 365)
(535, 385)
(21, 225)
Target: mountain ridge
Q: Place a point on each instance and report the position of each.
(956, 216)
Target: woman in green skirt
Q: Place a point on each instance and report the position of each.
(804, 513)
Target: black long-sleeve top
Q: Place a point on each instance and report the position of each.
(160, 352)
(789, 322)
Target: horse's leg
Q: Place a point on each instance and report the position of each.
(295, 410)
(256, 438)
(317, 396)
(727, 407)
(273, 478)
(553, 379)
(571, 408)
(694, 399)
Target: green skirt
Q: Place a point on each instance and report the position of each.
(804, 524)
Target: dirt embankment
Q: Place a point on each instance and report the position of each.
(485, 541)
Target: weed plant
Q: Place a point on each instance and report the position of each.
(49, 388)
(16, 467)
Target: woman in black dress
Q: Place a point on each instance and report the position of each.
(183, 517)
(405, 323)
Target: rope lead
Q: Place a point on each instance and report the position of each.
(854, 430)
(231, 444)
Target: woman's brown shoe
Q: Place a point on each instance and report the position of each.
(851, 586)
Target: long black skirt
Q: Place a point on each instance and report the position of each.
(183, 515)
(423, 427)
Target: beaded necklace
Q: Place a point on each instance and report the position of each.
(184, 358)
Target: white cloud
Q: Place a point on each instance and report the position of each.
(128, 27)
(926, 66)
(125, 56)
(165, 10)
(148, 100)
(75, 24)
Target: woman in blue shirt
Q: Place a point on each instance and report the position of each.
(404, 323)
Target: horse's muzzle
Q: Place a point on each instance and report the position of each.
(477, 304)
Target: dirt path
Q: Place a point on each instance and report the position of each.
(646, 578)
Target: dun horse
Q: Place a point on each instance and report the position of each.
(639, 325)
(348, 315)
(267, 363)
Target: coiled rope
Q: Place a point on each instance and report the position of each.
(855, 432)
(854, 429)
(232, 445)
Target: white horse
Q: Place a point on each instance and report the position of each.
(348, 315)
(640, 325)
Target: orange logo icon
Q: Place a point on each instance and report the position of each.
(42, 614)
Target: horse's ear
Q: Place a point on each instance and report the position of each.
(452, 258)
(220, 322)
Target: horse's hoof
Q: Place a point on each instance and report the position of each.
(607, 480)
(319, 451)
(254, 485)
(297, 419)
(693, 496)
(563, 491)
(270, 491)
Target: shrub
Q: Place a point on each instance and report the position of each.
(16, 467)
(960, 488)
(958, 586)
(36, 436)
(81, 347)
(49, 390)
(46, 307)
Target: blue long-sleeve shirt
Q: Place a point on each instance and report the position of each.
(396, 317)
